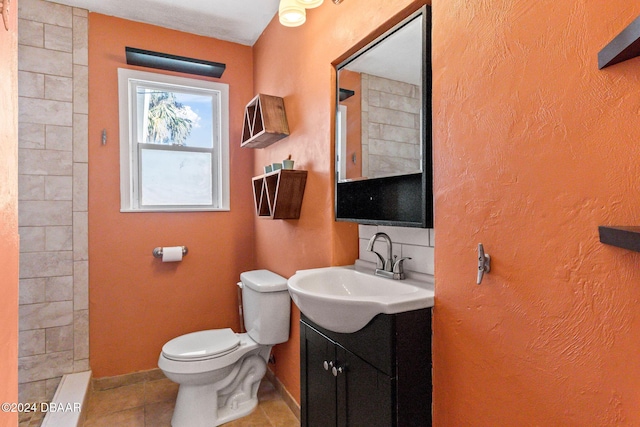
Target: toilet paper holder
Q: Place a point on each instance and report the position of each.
(157, 252)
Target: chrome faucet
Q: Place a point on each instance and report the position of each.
(390, 268)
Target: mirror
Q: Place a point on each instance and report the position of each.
(383, 128)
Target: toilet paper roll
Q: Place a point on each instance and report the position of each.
(172, 253)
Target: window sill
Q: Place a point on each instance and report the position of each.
(165, 210)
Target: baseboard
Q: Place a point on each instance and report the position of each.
(286, 396)
(67, 409)
(106, 383)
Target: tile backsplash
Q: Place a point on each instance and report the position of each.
(417, 243)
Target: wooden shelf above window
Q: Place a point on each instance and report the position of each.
(265, 122)
(625, 45)
(278, 194)
(622, 237)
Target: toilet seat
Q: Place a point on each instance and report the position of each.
(201, 345)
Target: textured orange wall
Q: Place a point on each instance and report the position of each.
(138, 303)
(9, 251)
(534, 148)
(295, 63)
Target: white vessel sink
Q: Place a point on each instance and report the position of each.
(343, 299)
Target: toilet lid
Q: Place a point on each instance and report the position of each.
(201, 345)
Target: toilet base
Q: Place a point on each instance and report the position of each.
(243, 409)
(235, 396)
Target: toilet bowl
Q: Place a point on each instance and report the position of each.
(221, 385)
(219, 371)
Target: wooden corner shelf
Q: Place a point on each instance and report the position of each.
(265, 122)
(278, 194)
(625, 45)
(622, 237)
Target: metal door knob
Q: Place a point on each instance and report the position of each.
(337, 370)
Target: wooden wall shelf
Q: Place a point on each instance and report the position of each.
(265, 122)
(278, 194)
(625, 45)
(622, 237)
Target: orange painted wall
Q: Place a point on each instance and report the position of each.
(138, 303)
(295, 63)
(535, 147)
(9, 242)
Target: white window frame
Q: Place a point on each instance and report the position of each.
(129, 162)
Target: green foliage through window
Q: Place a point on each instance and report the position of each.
(169, 122)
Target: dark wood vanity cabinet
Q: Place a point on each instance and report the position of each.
(377, 376)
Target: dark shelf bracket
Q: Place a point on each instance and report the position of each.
(625, 45)
(182, 64)
(622, 237)
(346, 93)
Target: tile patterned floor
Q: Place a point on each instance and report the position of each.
(148, 402)
(146, 399)
(30, 419)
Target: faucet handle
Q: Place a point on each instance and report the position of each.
(398, 264)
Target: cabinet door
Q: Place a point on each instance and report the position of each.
(318, 385)
(364, 393)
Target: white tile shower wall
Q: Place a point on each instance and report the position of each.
(390, 127)
(417, 243)
(53, 174)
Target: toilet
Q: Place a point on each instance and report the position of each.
(218, 370)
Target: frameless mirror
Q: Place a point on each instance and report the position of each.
(383, 128)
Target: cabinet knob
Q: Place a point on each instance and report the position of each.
(337, 370)
(327, 365)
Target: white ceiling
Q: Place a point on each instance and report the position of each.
(240, 21)
(398, 57)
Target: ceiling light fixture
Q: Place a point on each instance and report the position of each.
(291, 13)
(310, 4)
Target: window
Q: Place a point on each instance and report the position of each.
(174, 143)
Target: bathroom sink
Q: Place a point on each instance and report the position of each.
(343, 299)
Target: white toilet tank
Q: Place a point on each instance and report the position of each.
(266, 306)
